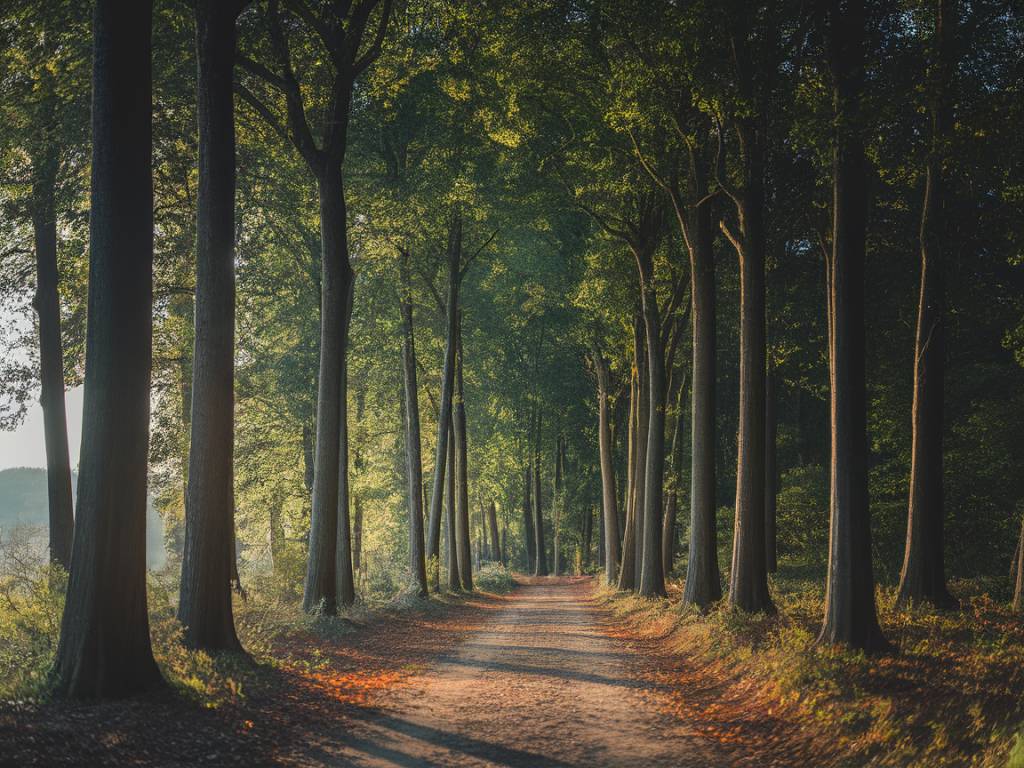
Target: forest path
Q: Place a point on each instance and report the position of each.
(540, 684)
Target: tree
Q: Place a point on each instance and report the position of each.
(104, 649)
(414, 465)
(340, 29)
(541, 564)
(461, 472)
(923, 577)
(850, 617)
(204, 605)
(609, 513)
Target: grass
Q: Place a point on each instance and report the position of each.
(269, 620)
(950, 696)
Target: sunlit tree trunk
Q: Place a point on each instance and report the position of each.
(413, 454)
(104, 649)
(447, 384)
(923, 577)
(497, 553)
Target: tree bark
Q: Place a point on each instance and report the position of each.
(556, 508)
(609, 513)
(104, 649)
(668, 538)
(413, 455)
(771, 473)
(328, 569)
(652, 572)
(454, 577)
(447, 384)
(923, 577)
(204, 603)
(528, 530)
(462, 525)
(850, 617)
(703, 580)
(51, 359)
(492, 518)
(1018, 592)
(630, 559)
(748, 582)
(538, 507)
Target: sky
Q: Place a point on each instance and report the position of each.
(24, 447)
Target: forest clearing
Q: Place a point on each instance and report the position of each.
(513, 382)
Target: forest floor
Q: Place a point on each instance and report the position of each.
(557, 672)
(543, 676)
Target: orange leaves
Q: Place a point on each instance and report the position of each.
(357, 688)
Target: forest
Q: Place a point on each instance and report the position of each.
(515, 382)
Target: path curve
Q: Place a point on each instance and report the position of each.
(539, 685)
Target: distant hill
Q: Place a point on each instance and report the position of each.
(23, 502)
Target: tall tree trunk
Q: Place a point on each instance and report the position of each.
(609, 513)
(492, 517)
(771, 473)
(454, 579)
(923, 578)
(703, 581)
(556, 508)
(357, 532)
(538, 507)
(643, 415)
(629, 560)
(276, 536)
(104, 649)
(51, 359)
(204, 603)
(668, 539)
(850, 617)
(461, 470)
(413, 457)
(652, 572)
(1018, 592)
(447, 384)
(327, 569)
(528, 531)
(748, 579)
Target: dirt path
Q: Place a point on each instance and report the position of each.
(539, 685)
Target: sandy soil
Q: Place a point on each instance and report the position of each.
(539, 684)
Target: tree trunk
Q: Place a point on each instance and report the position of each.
(668, 539)
(492, 518)
(454, 579)
(51, 360)
(413, 457)
(850, 617)
(204, 603)
(276, 537)
(923, 577)
(609, 513)
(328, 569)
(652, 572)
(703, 581)
(1018, 592)
(104, 649)
(528, 531)
(748, 582)
(556, 508)
(538, 507)
(447, 383)
(643, 416)
(771, 473)
(462, 528)
(357, 532)
(634, 504)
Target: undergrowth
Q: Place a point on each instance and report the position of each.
(949, 696)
